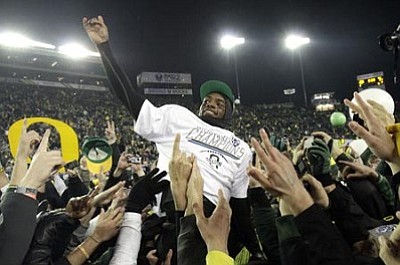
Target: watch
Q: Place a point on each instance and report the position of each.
(25, 190)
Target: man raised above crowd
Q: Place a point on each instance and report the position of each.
(221, 156)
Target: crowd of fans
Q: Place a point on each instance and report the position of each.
(310, 200)
(370, 206)
(286, 120)
(87, 112)
(84, 110)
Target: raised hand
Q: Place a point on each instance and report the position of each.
(215, 229)
(123, 162)
(381, 113)
(27, 141)
(356, 170)
(26, 146)
(96, 29)
(326, 138)
(78, 207)
(180, 168)
(154, 260)
(142, 193)
(377, 138)
(43, 164)
(102, 178)
(108, 224)
(110, 133)
(316, 191)
(280, 178)
(389, 247)
(298, 152)
(106, 196)
(194, 191)
(322, 135)
(319, 158)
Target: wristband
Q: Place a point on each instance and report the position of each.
(30, 192)
(12, 188)
(84, 252)
(94, 239)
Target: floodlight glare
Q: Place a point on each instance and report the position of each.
(228, 42)
(75, 50)
(42, 45)
(293, 42)
(16, 40)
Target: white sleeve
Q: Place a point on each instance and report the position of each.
(241, 182)
(152, 122)
(128, 243)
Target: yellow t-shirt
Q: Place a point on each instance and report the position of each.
(216, 257)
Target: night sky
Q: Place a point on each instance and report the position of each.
(183, 36)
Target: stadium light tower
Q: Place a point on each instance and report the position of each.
(229, 42)
(294, 43)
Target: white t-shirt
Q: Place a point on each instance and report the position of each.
(222, 157)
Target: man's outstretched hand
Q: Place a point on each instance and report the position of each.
(43, 164)
(96, 29)
(143, 191)
(215, 229)
(180, 168)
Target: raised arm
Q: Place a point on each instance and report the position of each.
(120, 84)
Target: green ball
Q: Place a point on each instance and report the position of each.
(338, 119)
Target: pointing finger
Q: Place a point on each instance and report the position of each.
(101, 20)
(24, 126)
(45, 141)
(176, 151)
(268, 146)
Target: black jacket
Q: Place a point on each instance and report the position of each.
(264, 220)
(351, 220)
(311, 238)
(17, 227)
(51, 238)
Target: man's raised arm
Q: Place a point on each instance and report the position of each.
(120, 84)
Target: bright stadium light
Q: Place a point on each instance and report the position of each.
(43, 45)
(75, 50)
(293, 42)
(228, 41)
(16, 40)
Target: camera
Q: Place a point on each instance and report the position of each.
(390, 41)
(135, 160)
(308, 142)
(72, 165)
